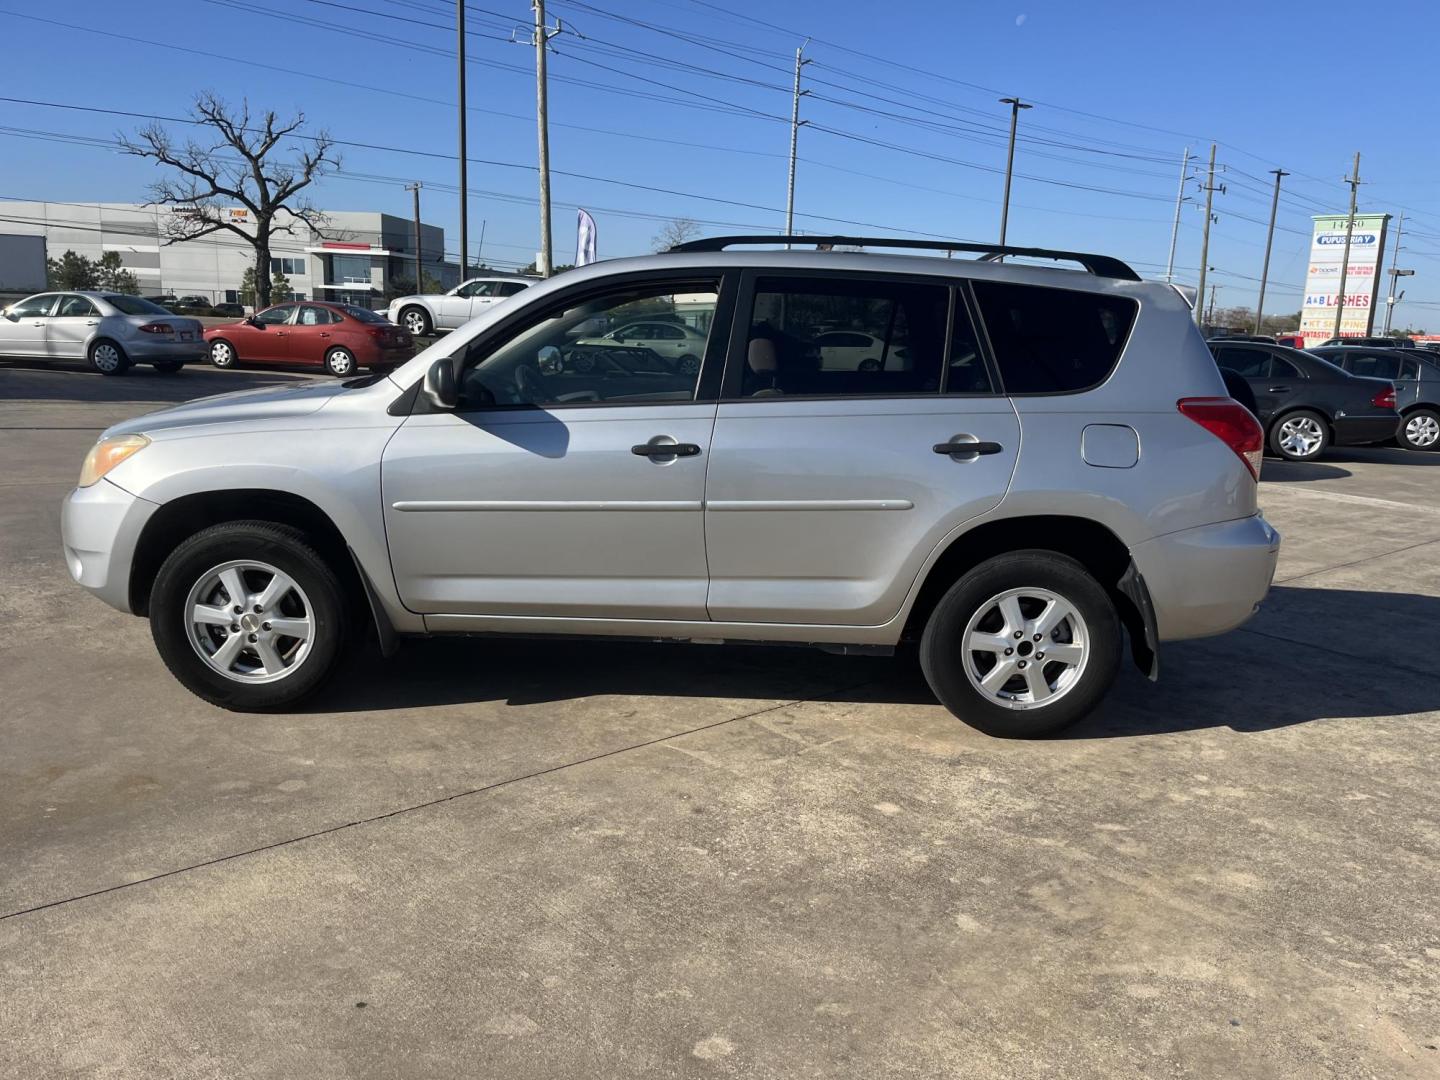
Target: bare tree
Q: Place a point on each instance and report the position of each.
(211, 180)
(675, 231)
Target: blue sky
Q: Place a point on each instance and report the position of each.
(680, 108)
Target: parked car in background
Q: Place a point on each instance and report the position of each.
(1263, 338)
(1369, 342)
(425, 314)
(113, 331)
(1416, 375)
(680, 345)
(339, 337)
(1307, 404)
(853, 350)
(482, 489)
(1290, 341)
(230, 311)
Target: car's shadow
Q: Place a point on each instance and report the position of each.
(1277, 471)
(1256, 679)
(1381, 455)
(54, 381)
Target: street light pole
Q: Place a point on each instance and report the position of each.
(1395, 275)
(1354, 181)
(1205, 243)
(464, 179)
(1269, 239)
(1015, 106)
(419, 278)
(1175, 229)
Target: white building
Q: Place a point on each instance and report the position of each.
(361, 254)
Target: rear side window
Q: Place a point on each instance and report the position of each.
(1053, 341)
(1378, 367)
(1251, 363)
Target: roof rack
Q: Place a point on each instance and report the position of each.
(1100, 265)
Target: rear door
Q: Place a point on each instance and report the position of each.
(1401, 370)
(69, 329)
(827, 489)
(1252, 362)
(311, 335)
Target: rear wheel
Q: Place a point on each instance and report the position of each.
(1022, 645)
(249, 616)
(222, 354)
(108, 358)
(1300, 436)
(340, 362)
(689, 365)
(416, 320)
(1420, 430)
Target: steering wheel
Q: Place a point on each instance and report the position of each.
(531, 385)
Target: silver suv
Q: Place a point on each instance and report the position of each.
(1039, 461)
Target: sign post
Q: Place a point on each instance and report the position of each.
(1362, 276)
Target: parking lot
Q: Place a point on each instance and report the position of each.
(561, 859)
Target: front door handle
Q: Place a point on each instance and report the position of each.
(962, 447)
(1279, 390)
(678, 449)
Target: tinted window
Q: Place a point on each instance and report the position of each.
(276, 315)
(1280, 368)
(1052, 341)
(1251, 363)
(134, 305)
(1374, 365)
(1410, 369)
(74, 306)
(899, 328)
(557, 358)
(509, 288)
(34, 307)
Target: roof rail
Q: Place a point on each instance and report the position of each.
(1100, 265)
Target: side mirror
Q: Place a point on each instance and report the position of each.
(439, 385)
(548, 359)
(618, 336)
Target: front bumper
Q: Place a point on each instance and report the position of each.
(99, 527)
(1210, 579)
(1359, 430)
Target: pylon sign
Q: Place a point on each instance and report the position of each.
(1362, 276)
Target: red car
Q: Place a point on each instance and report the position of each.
(341, 337)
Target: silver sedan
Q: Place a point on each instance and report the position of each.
(110, 330)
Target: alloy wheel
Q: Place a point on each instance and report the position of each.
(415, 323)
(1025, 648)
(1301, 436)
(249, 621)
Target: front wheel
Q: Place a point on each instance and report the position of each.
(340, 363)
(1420, 430)
(1022, 645)
(1300, 436)
(249, 616)
(108, 358)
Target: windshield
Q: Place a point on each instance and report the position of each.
(363, 314)
(134, 305)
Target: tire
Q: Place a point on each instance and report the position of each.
(340, 363)
(169, 367)
(107, 357)
(222, 354)
(1302, 435)
(315, 601)
(689, 365)
(1420, 430)
(870, 364)
(974, 609)
(417, 321)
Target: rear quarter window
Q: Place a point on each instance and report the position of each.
(1053, 341)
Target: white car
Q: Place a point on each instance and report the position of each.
(676, 342)
(850, 350)
(425, 314)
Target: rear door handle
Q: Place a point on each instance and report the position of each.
(1279, 389)
(680, 449)
(976, 448)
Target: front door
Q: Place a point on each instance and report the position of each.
(828, 488)
(268, 338)
(70, 328)
(22, 328)
(552, 491)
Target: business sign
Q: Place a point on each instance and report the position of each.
(1362, 276)
(238, 215)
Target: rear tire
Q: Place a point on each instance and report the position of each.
(340, 363)
(1420, 430)
(108, 358)
(1302, 435)
(1024, 693)
(314, 605)
(417, 321)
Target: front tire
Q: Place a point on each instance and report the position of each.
(1302, 435)
(1420, 430)
(108, 358)
(1022, 645)
(417, 321)
(249, 616)
(222, 354)
(340, 363)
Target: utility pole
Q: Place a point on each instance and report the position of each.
(464, 179)
(1210, 318)
(1390, 298)
(1354, 181)
(1210, 190)
(419, 273)
(542, 121)
(480, 247)
(795, 123)
(1269, 239)
(1015, 106)
(1175, 229)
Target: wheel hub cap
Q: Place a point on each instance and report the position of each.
(1025, 648)
(1422, 431)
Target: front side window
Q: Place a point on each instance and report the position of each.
(75, 307)
(276, 315)
(1053, 341)
(564, 356)
(34, 307)
(832, 337)
(477, 288)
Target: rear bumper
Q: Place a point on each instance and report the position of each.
(1356, 430)
(147, 352)
(1210, 579)
(99, 527)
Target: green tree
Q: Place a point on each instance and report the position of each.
(280, 288)
(70, 271)
(111, 275)
(247, 287)
(404, 286)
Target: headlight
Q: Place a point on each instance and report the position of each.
(107, 453)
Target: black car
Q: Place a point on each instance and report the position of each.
(1305, 403)
(230, 311)
(1369, 342)
(1416, 375)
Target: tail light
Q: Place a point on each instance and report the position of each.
(380, 333)
(1385, 399)
(157, 328)
(1231, 423)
